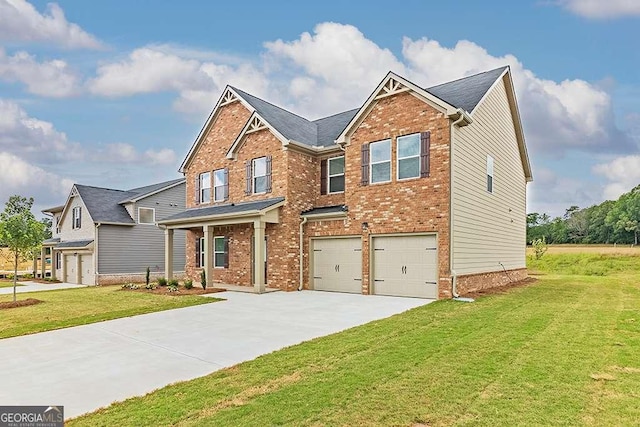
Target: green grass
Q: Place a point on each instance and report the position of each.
(4, 284)
(563, 351)
(72, 307)
(589, 264)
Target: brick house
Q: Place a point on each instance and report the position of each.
(420, 192)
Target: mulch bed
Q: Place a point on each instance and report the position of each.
(162, 290)
(502, 289)
(19, 303)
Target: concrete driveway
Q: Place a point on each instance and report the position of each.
(87, 367)
(37, 287)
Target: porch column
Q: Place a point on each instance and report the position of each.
(43, 255)
(78, 269)
(168, 253)
(34, 269)
(258, 256)
(63, 267)
(54, 257)
(208, 253)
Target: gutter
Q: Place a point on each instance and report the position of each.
(304, 221)
(95, 254)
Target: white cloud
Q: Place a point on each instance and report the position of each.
(28, 180)
(21, 22)
(601, 9)
(33, 139)
(127, 153)
(49, 78)
(623, 174)
(552, 194)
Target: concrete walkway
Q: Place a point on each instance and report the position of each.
(37, 287)
(87, 367)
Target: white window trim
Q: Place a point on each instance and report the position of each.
(202, 188)
(254, 176)
(147, 223)
(213, 178)
(75, 217)
(398, 158)
(371, 162)
(490, 173)
(201, 255)
(217, 252)
(329, 176)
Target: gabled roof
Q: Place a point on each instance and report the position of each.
(73, 244)
(467, 92)
(53, 209)
(149, 190)
(228, 209)
(330, 127)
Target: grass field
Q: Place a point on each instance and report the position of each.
(591, 249)
(7, 284)
(562, 351)
(72, 307)
(6, 262)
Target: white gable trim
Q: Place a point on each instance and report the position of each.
(486, 94)
(393, 84)
(229, 96)
(254, 124)
(517, 124)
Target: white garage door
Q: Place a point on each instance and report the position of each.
(86, 264)
(70, 266)
(405, 266)
(337, 264)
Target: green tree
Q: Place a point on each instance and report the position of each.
(625, 215)
(20, 231)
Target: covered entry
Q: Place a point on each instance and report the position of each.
(405, 265)
(337, 264)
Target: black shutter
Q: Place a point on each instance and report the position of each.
(323, 176)
(247, 190)
(226, 252)
(268, 174)
(425, 148)
(365, 164)
(198, 252)
(225, 189)
(79, 218)
(197, 187)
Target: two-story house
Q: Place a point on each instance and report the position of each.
(420, 192)
(105, 236)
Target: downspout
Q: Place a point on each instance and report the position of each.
(302, 223)
(454, 276)
(95, 255)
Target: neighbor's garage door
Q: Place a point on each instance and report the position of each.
(337, 264)
(86, 263)
(70, 267)
(405, 266)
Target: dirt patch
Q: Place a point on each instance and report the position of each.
(163, 290)
(502, 289)
(19, 303)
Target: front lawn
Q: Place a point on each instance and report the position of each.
(5, 284)
(563, 351)
(72, 307)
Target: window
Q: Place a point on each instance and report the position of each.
(336, 175)
(200, 251)
(146, 216)
(58, 260)
(77, 217)
(408, 156)
(57, 221)
(259, 175)
(380, 153)
(489, 174)
(205, 187)
(220, 185)
(220, 252)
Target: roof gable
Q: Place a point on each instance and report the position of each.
(150, 190)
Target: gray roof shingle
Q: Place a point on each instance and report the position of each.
(74, 244)
(466, 92)
(325, 210)
(329, 128)
(229, 209)
(148, 189)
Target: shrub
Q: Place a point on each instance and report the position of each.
(130, 286)
(173, 288)
(150, 286)
(203, 279)
(173, 282)
(147, 276)
(539, 247)
(188, 284)
(162, 281)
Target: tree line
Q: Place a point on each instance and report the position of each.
(612, 221)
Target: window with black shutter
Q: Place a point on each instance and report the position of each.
(425, 154)
(365, 164)
(198, 252)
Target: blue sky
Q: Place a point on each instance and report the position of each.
(113, 93)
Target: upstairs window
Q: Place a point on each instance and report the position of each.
(380, 163)
(220, 185)
(258, 177)
(76, 218)
(489, 174)
(332, 175)
(205, 187)
(408, 156)
(146, 216)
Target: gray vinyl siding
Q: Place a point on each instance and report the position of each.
(488, 228)
(131, 249)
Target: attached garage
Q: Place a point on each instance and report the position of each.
(405, 265)
(86, 265)
(337, 264)
(70, 269)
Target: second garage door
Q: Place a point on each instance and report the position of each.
(86, 263)
(337, 264)
(405, 266)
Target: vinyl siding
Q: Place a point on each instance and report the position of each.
(488, 228)
(124, 249)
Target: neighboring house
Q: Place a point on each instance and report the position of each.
(104, 236)
(416, 193)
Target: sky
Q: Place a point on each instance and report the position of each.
(113, 93)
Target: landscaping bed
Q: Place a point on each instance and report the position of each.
(20, 303)
(164, 290)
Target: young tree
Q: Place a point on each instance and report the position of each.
(20, 231)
